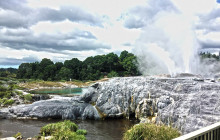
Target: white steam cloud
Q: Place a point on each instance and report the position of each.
(168, 43)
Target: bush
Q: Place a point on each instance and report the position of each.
(67, 135)
(28, 97)
(146, 131)
(66, 130)
(112, 74)
(17, 135)
(3, 88)
(81, 132)
(19, 92)
(8, 102)
(52, 128)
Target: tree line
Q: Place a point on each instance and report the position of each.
(204, 55)
(92, 68)
(8, 72)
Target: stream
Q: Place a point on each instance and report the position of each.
(96, 130)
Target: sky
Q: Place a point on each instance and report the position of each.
(31, 30)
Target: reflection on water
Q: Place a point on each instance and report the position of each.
(97, 130)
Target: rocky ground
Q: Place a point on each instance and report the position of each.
(187, 102)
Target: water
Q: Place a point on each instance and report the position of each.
(97, 130)
(65, 91)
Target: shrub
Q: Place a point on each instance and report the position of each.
(3, 88)
(81, 132)
(148, 131)
(17, 135)
(52, 128)
(112, 74)
(8, 102)
(1, 101)
(8, 94)
(28, 97)
(19, 92)
(67, 135)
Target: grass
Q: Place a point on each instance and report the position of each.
(60, 126)
(8, 102)
(28, 97)
(146, 131)
(7, 91)
(17, 135)
(65, 130)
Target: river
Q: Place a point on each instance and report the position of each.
(97, 130)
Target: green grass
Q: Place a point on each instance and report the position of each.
(8, 102)
(28, 97)
(60, 126)
(17, 135)
(65, 130)
(146, 131)
(81, 132)
(67, 135)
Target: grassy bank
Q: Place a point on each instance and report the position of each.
(147, 131)
(37, 84)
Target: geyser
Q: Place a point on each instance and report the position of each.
(168, 43)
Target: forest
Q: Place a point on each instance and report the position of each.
(92, 68)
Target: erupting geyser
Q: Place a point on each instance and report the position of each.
(168, 43)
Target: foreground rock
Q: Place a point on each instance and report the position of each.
(65, 108)
(187, 103)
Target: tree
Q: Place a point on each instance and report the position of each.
(129, 64)
(24, 71)
(46, 65)
(64, 74)
(45, 62)
(112, 61)
(75, 66)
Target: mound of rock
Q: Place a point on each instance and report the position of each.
(188, 103)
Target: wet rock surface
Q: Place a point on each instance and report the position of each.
(188, 103)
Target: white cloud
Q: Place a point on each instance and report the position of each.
(57, 29)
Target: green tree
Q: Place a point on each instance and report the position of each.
(129, 63)
(112, 62)
(64, 74)
(75, 66)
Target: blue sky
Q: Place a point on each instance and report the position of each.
(61, 30)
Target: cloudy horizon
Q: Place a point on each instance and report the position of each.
(31, 30)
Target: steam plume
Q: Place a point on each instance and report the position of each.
(168, 43)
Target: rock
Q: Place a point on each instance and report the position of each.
(146, 108)
(64, 108)
(38, 97)
(186, 102)
(89, 95)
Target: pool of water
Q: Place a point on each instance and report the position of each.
(65, 91)
(97, 130)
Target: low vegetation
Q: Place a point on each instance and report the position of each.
(146, 131)
(18, 135)
(28, 97)
(9, 92)
(6, 92)
(65, 130)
